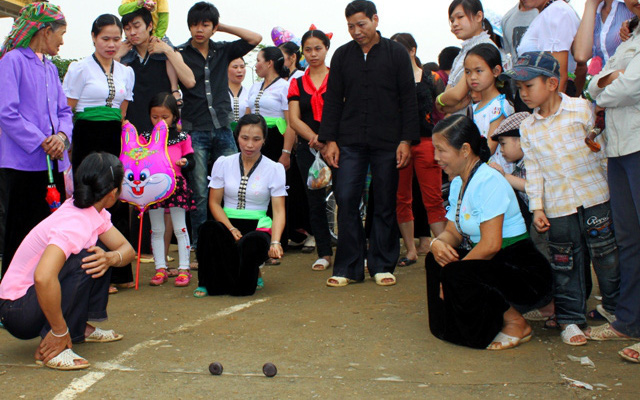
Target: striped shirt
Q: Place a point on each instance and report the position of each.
(562, 173)
(606, 35)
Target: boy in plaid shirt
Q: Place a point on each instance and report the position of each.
(568, 195)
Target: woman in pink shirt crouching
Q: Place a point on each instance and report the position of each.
(59, 277)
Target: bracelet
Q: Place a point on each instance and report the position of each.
(233, 228)
(431, 244)
(439, 100)
(60, 336)
(278, 243)
(286, 151)
(407, 142)
(120, 263)
(175, 91)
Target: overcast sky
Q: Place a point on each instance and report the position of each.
(426, 19)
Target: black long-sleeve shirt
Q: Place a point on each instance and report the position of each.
(370, 101)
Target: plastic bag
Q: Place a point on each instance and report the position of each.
(319, 174)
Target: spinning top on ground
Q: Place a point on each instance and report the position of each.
(216, 368)
(269, 370)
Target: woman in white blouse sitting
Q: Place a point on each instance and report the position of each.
(242, 235)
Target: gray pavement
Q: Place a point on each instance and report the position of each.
(361, 341)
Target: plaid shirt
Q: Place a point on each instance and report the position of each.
(562, 173)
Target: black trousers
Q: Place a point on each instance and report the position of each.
(227, 266)
(93, 136)
(26, 205)
(384, 241)
(83, 299)
(478, 292)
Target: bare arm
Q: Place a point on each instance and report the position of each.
(72, 103)
(251, 37)
(277, 205)
(454, 98)
(289, 140)
(582, 47)
(490, 240)
(298, 126)
(563, 60)
(185, 75)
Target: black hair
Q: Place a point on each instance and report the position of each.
(407, 40)
(460, 129)
(316, 34)
(447, 56)
(98, 174)
(164, 99)
(142, 13)
(292, 49)
(251, 119)
(470, 7)
(105, 20)
(364, 6)
(633, 23)
(274, 54)
(495, 38)
(491, 55)
(203, 12)
(431, 66)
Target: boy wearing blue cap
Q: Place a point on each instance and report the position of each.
(568, 194)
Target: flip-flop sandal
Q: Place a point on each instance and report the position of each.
(65, 361)
(505, 341)
(200, 292)
(340, 281)
(595, 315)
(320, 264)
(551, 323)
(571, 331)
(381, 276)
(604, 332)
(536, 315)
(272, 261)
(635, 347)
(103, 336)
(193, 266)
(611, 318)
(128, 285)
(113, 289)
(405, 262)
(260, 283)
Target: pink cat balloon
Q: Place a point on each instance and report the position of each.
(148, 175)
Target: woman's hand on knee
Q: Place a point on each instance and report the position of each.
(443, 253)
(275, 251)
(96, 264)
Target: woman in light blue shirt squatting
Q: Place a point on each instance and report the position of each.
(483, 271)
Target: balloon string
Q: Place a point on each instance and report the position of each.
(139, 245)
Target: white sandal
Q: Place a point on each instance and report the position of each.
(65, 361)
(571, 331)
(321, 264)
(102, 336)
(380, 276)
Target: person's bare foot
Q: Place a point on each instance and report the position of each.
(631, 353)
(513, 325)
(577, 338)
(88, 330)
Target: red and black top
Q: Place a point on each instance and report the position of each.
(310, 98)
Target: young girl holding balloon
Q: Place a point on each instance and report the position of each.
(163, 107)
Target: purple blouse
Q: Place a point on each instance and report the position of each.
(606, 35)
(31, 103)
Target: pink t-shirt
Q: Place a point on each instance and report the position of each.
(177, 151)
(70, 228)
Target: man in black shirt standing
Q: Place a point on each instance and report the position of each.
(206, 115)
(369, 119)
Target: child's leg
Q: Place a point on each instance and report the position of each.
(156, 216)
(603, 249)
(178, 217)
(168, 232)
(568, 257)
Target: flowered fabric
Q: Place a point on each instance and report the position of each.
(33, 17)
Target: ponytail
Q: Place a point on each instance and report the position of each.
(98, 174)
(275, 55)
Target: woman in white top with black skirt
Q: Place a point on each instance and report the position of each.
(100, 89)
(238, 94)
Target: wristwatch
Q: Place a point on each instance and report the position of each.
(65, 141)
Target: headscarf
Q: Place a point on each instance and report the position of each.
(33, 17)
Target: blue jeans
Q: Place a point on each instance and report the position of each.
(575, 241)
(624, 175)
(207, 147)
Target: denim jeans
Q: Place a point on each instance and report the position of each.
(575, 241)
(624, 175)
(207, 147)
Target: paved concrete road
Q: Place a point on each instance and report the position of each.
(361, 341)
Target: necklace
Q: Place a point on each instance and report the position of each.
(112, 86)
(256, 103)
(244, 180)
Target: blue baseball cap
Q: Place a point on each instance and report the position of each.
(532, 64)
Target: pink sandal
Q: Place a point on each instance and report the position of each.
(159, 278)
(183, 279)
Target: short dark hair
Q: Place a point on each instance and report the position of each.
(364, 6)
(274, 54)
(460, 129)
(142, 13)
(431, 66)
(408, 42)
(203, 12)
(316, 34)
(251, 119)
(470, 7)
(164, 99)
(447, 56)
(105, 20)
(97, 175)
